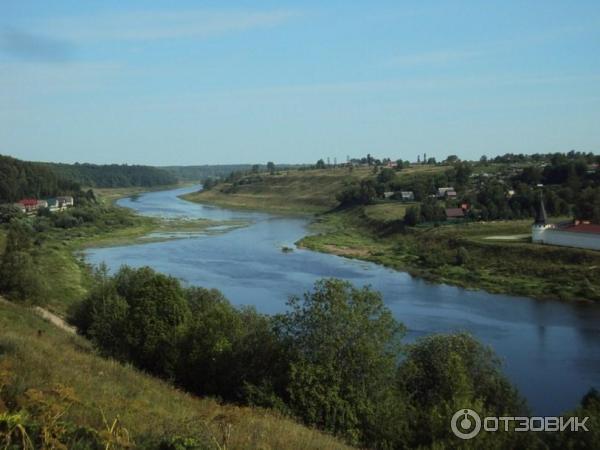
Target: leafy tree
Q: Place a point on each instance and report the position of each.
(18, 278)
(271, 167)
(386, 176)
(19, 237)
(463, 171)
(587, 205)
(255, 168)
(444, 373)
(139, 316)
(589, 407)
(432, 211)
(344, 345)
(320, 164)
(9, 212)
(361, 193)
(412, 216)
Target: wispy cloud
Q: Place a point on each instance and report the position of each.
(434, 57)
(160, 25)
(33, 47)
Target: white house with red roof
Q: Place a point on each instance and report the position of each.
(576, 234)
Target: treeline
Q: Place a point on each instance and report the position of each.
(199, 173)
(21, 179)
(112, 175)
(335, 360)
(520, 158)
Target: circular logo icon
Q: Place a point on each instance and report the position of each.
(466, 424)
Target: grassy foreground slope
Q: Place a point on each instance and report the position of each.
(44, 367)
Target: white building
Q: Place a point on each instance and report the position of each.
(577, 234)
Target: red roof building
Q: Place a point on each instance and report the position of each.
(31, 202)
(583, 228)
(455, 213)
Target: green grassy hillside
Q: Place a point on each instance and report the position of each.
(296, 192)
(293, 191)
(45, 371)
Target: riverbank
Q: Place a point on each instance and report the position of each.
(470, 255)
(496, 256)
(111, 195)
(64, 275)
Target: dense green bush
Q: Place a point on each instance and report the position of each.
(334, 360)
(18, 277)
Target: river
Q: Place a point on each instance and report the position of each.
(550, 350)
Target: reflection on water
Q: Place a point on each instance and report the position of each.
(550, 350)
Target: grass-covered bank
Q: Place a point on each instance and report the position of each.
(473, 255)
(45, 371)
(61, 275)
(305, 192)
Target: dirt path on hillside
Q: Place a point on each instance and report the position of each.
(56, 320)
(50, 317)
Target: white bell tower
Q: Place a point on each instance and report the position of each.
(541, 223)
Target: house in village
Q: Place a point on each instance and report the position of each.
(65, 201)
(407, 196)
(446, 192)
(454, 213)
(32, 205)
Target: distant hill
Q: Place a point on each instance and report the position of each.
(294, 191)
(19, 179)
(113, 175)
(303, 191)
(200, 173)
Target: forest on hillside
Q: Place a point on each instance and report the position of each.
(112, 175)
(19, 179)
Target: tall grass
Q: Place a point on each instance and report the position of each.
(115, 399)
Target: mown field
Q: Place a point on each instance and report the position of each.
(68, 389)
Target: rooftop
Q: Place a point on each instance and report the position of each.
(583, 228)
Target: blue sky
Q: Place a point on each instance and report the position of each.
(209, 82)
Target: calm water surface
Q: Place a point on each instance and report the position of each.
(550, 350)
